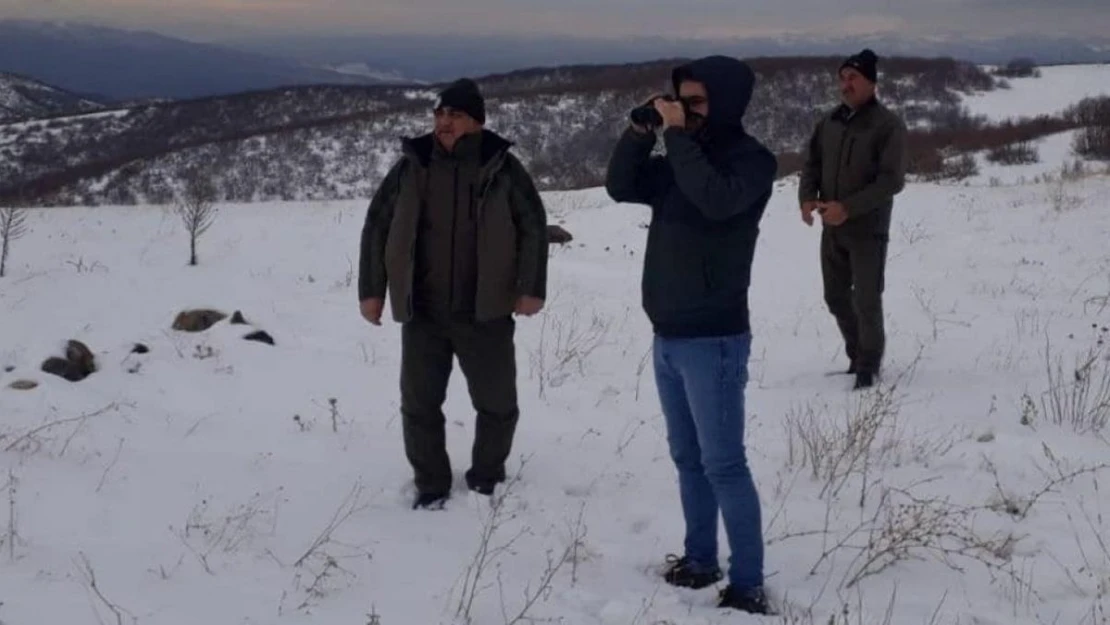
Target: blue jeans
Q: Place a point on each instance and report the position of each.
(701, 383)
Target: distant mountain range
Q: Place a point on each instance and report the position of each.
(443, 57)
(120, 65)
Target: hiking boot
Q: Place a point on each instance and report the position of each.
(682, 572)
(753, 601)
(430, 501)
(481, 485)
(864, 379)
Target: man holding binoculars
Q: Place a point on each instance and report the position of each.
(707, 196)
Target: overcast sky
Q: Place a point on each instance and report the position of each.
(589, 18)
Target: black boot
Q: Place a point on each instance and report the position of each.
(864, 379)
(483, 485)
(751, 601)
(430, 501)
(682, 573)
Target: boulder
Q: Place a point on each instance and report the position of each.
(557, 234)
(197, 320)
(79, 354)
(237, 318)
(77, 364)
(261, 336)
(139, 348)
(23, 385)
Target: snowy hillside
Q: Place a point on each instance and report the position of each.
(210, 479)
(23, 98)
(336, 142)
(1057, 88)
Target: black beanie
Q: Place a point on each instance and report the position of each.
(463, 95)
(864, 63)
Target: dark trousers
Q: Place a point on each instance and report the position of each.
(487, 357)
(853, 267)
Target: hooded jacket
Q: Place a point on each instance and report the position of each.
(707, 199)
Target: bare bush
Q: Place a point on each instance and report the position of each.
(565, 344)
(319, 564)
(1022, 153)
(1019, 507)
(196, 208)
(1093, 142)
(11, 536)
(907, 528)
(228, 532)
(833, 451)
(850, 613)
(1022, 67)
(35, 439)
(1079, 397)
(490, 550)
(96, 595)
(13, 225)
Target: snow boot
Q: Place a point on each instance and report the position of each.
(752, 601)
(430, 501)
(683, 573)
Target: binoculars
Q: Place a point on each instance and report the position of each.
(646, 115)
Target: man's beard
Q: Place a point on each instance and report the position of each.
(696, 125)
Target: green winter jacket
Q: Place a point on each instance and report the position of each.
(859, 160)
(511, 244)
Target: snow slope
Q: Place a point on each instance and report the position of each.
(23, 98)
(197, 483)
(1058, 87)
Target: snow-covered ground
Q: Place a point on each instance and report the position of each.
(219, 480)
(1058, 87)
(198, 482)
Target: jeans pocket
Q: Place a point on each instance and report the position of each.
(735, 352)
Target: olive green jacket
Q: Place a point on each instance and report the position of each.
(512, 231)
(859, 160)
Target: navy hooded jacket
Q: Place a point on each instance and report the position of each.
(707, 199)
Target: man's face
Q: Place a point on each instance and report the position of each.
(452, 124)
(696, 99)
(855, 89)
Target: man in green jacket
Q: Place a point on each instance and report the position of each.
(456, 235)
(855, 165)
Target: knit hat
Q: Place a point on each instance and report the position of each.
(864, 63)
(463, 95)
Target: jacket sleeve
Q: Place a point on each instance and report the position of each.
(633, 173)
(719, 192)
(375, 233)
(892, 172)
(809, 186)
(530, 217)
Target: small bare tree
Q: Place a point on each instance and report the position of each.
(13, 224)
(196, 208)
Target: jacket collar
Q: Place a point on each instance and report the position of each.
(490, 157)
(844, 113)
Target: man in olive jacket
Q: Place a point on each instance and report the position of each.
(456, 235)
(855, 165)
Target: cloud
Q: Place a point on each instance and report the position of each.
(592, 18)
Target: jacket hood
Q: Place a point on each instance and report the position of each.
(729, 83)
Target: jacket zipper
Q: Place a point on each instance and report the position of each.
(839, 162)
(454, 230)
